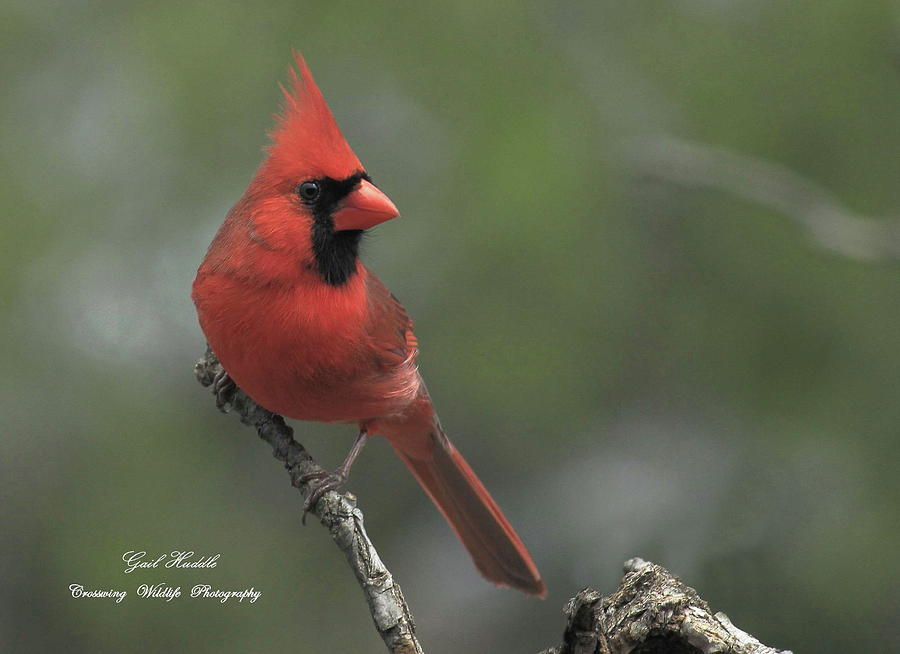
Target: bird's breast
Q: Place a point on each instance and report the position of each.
(302, 352)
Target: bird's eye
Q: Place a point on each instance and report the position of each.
(308, 191)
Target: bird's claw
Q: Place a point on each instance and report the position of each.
(319, 483)
(223, 387)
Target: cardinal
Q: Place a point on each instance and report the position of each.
(308, 332)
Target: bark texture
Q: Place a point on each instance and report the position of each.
(652, 612)
(337, 512)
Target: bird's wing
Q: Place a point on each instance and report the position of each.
(390, 327)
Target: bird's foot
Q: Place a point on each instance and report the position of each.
(320, 483)
(223, 388)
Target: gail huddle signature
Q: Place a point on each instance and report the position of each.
(135, 560)
(138, 559)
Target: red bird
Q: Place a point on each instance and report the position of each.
(308, 332)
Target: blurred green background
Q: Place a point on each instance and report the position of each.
(651, 252)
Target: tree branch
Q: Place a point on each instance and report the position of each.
(337, 512)
(773, 186)
(652, 612)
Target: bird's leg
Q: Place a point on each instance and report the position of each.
(325, 481)
(223, 388)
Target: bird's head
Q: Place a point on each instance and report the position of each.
(311, 198)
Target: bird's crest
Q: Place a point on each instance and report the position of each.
(306, 141)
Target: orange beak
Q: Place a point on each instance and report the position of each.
(364, 207)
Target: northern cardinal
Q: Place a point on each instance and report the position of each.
(307, 331)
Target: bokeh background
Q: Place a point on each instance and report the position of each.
(652, 254)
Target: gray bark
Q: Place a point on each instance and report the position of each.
(652, 612)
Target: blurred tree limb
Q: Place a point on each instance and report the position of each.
(337, 512)
(651, 612)
(771, 185)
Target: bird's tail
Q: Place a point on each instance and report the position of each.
(460, 496)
